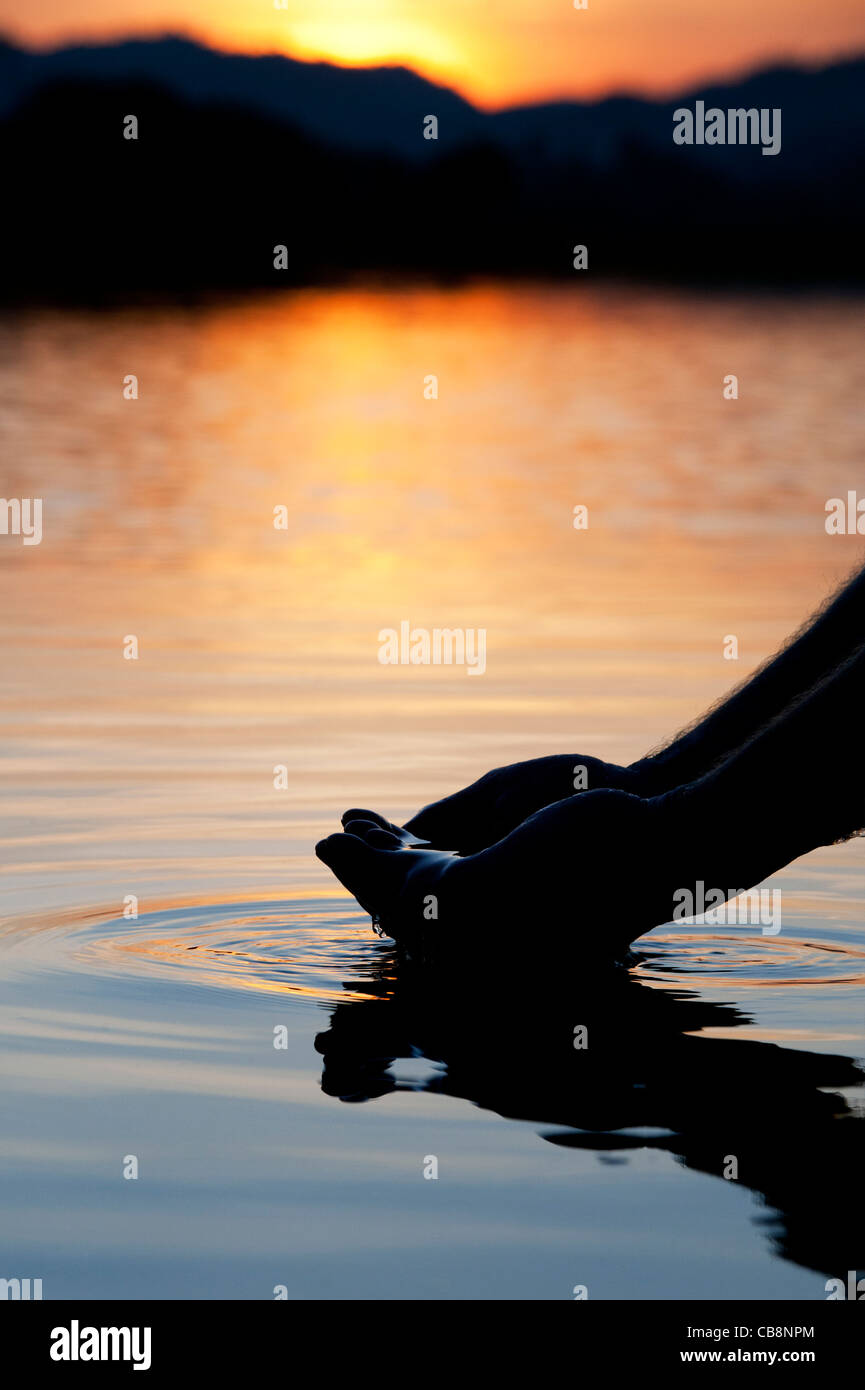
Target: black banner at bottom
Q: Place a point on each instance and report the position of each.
(202, 1338)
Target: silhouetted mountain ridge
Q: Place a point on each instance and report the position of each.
(381, 109)
(217, 179)
(357, 108)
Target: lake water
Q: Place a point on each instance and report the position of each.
(301, 1166)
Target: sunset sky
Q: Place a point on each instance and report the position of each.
(495, 53)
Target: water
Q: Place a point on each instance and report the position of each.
(301, 1165)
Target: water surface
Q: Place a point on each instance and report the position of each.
(302, 1165)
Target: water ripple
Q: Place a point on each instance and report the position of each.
(319, 949)
(676, 959)
(322, 949)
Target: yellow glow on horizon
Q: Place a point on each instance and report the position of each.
(358, 44)
(515, 51)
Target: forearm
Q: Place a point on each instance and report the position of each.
(826, 642)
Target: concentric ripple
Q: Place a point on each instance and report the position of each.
(323, 950)
(677, 959)
(318, 949)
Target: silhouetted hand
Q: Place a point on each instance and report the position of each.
(482, 814)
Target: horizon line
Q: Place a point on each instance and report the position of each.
(88, 38)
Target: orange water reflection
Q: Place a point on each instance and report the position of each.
(259, 647)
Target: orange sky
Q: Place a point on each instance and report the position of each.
(494, 51)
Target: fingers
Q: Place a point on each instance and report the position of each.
(349, 859)
(340, 853)
(363, 823)
(357, 814)
(372, 834)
